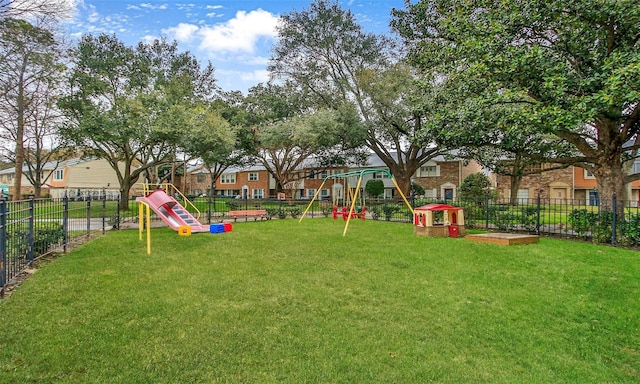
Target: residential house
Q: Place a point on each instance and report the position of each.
(441, 177)
(571, 183)
(544, 179)
(75, 178)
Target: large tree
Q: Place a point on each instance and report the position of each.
(572, 70)
(291, 134)
(130, 106)
(215, 142)
(30, 74)
(326, 52)
(24, 9)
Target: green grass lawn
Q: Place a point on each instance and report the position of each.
(286, 302)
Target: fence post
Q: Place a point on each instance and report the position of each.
(88, 215)
(538, 217)
(117, 224)
(615, 219)
(3, 245)
(31, 232)
(486, 207)
(65, 223)
(104, 211)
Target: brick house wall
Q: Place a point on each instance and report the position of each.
(448, 178)
(555, 184)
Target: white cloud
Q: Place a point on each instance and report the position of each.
(148, 39)
(183, 32)
(213, 7)
(257, 76)
(153, 7)
(239, 34)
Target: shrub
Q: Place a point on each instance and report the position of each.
(630, 231)
(45, 235)
(474, 186)
(294, 211)
(374, 187)
(582, 221)
(232, 205)
(271, 212)
(389, 210)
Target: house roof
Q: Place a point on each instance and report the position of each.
(437, 207)
(50, 165)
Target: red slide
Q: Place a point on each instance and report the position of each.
(171, 212)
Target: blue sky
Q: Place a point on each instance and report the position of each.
(236, 36)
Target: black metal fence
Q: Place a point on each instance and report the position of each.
(614, 222)
(32, 229)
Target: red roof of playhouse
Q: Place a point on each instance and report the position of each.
(437, 207)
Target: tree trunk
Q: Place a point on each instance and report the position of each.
(17, 182)
(515, 186)
(124, 194)
(610, 178)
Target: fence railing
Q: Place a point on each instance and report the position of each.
(614, 222)
(32, 229)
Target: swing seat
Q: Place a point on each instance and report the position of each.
(354, 215)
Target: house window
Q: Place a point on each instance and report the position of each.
(522, 194)
(636, 167)
(324, 193)
(311, 192)
(228, 178)
(380, 175)
(258, 193)
(588, 174)
(323, 174)
(58, 174)
(200, 178)
(253, 176)
(429, 171)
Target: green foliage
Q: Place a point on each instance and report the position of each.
(326, 210)
(502, 84)
(374, 187)
(136, 105)
(294, 211)
(325, 52)
(232, 205)
(630, 230)
(417, 189)
(582, 221)
(474, 186)
(45, 235)
(272, 211)
(389, 210)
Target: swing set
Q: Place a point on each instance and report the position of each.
(350, 197)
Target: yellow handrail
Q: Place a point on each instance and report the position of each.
(172, 191)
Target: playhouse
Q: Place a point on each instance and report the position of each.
(438, 220)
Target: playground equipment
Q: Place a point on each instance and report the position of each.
(353, 196)
(171, 212)
(450, 225)
(160, 199)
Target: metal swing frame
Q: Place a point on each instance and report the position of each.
(360, 175)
